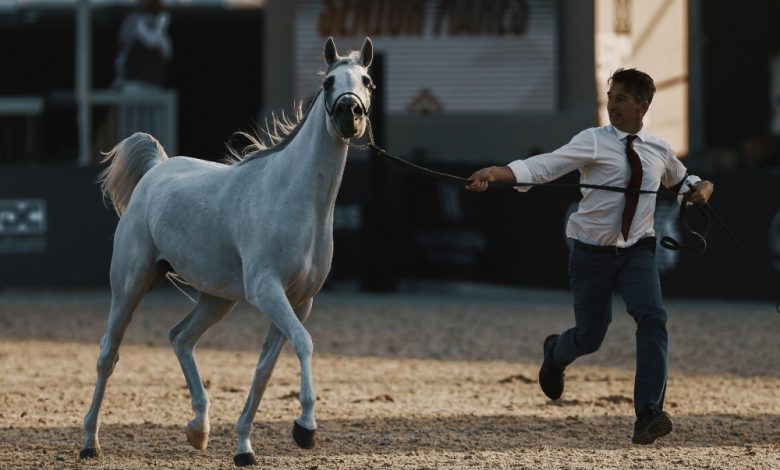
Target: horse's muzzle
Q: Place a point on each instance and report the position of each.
(348, 116)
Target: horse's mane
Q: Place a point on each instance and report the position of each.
(270, 138)
(282, 129)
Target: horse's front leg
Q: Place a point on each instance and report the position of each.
(183, 338)
(275, 340)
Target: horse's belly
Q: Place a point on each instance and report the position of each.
(209, 272)
(224, 289)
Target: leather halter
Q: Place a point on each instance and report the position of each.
(338, 98)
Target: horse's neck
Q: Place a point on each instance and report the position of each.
(314, 158)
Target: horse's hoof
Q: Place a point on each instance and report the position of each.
(245, 460)
(305, 438)
(198, 439)
(91, 453)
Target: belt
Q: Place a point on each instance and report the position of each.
(616, 250)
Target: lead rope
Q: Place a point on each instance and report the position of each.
(699, 246)
(460, 180)
(383, 153)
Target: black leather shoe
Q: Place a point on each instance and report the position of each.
(651, 424)
(551, 378)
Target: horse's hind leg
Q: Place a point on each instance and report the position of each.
(126, 292)
(183, 338)
(274, 341)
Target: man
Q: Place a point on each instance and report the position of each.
(144, 47)
(614, 243)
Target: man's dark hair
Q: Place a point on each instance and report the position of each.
(638, 83)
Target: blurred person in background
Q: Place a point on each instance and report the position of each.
(144, 47)
(614, 242)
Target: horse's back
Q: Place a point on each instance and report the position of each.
(178, 173)
(175, 181)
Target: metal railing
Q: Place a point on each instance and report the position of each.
(19, 127)
(139, 110)
(123, 112)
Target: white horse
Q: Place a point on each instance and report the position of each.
(259, 229)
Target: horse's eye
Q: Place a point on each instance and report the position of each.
(368, 83)
(328, 83)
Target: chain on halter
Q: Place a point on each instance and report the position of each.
(370, 144)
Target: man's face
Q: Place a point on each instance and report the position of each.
(625, 113)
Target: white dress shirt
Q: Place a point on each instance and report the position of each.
(599, 154)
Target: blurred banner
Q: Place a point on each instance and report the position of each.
(57, 232)
(443, 56)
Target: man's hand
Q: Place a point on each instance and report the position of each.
(480, 179)
(702, 191)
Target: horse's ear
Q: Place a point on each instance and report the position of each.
(330, 51)
(367, 52)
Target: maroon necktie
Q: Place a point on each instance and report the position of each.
(632, 199)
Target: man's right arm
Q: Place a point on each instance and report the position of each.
(540, 168)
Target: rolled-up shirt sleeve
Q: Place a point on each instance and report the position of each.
(677, 177)
(538, 169)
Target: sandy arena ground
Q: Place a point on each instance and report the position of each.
(439, 378)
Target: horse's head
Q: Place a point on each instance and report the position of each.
(347, 90)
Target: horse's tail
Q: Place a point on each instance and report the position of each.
(128, 161)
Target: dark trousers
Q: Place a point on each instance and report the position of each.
(594, 276)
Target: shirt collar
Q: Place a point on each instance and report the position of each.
(622, 135)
